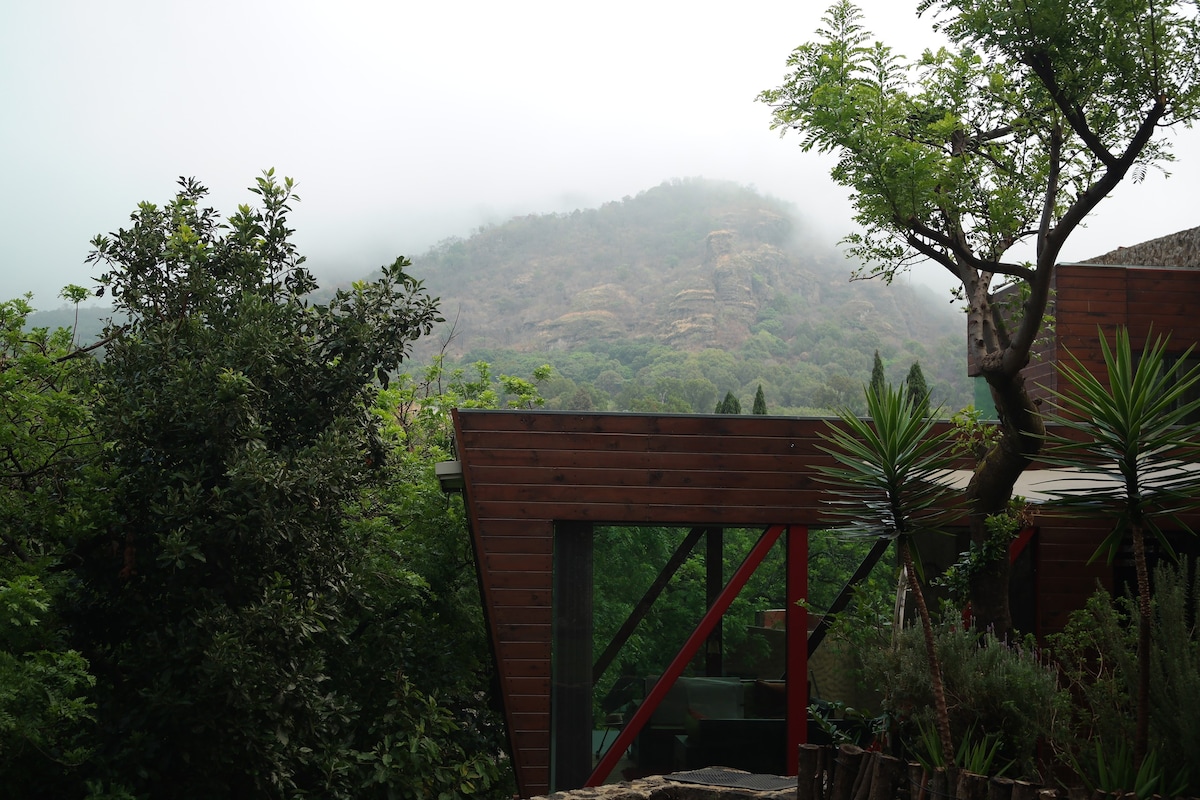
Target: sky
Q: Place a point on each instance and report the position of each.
(406, 123)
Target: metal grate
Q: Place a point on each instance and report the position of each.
(734, 780)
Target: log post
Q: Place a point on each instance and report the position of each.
(886, 777)
(1000, 788)
(866, 773)
(846, 774)
(972, 786)
(808, 772)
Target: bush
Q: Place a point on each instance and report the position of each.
(1097, 656)
(993, 690)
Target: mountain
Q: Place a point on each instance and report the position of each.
(691, 266)
(668, 301)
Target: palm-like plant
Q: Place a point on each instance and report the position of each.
(890, 478)
(1140, 433)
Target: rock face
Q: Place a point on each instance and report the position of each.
(661, 787)
(1180, 249)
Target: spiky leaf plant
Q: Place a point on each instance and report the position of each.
(889, 476)
(1138, 432)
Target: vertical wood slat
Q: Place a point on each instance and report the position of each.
(571, 698)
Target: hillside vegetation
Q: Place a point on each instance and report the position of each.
(668, 300)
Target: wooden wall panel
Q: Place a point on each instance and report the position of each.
(526, 471)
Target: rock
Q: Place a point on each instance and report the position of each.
(661, 787)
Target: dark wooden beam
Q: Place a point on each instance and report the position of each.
(646, 603)
(571, 685)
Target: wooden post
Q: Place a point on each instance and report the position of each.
(886, 777)
(972, 786)
(1000, 788)
(571, 689)
(1024, 790)
(808, 772)
(845, 774)
(938, 785)
(862, 783)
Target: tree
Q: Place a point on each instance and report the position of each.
(220, 605)
(1013, 138)
(878, 380)
(760, 402)
(886, 477)
(729, 405)
(49, 455)
(914, 384)
(1140, 433)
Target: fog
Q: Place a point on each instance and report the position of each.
(406, 123)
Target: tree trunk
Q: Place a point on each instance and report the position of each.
(941, 712)
(1021, 429)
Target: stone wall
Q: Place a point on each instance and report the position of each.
(662, 787)
(1180, 249)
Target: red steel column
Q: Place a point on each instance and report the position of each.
(797, 644)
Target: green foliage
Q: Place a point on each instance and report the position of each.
(48, 459)
(1011, 135)
(1002, 529)
(760, 402)
(250, 631)
(45, 706)
(1118, 773)
(1001, 697)
(878, 380)
(887, 470)
(1096, 655)
(974, 754)
(729, 405)
(914, 384)
(887, 479)
(1139, 433)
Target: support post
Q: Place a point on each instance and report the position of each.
(571, 689)
(796, 618)
(714, 569)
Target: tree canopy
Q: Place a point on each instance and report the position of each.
(1010, 137)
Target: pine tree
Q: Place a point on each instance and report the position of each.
(918, 390)
(729, 405)
(878, 382)
(760, 402)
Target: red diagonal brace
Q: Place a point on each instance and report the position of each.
(690, 647)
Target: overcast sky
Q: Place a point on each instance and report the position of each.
(405, 123)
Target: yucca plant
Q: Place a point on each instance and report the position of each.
(1138, 431)
(889, 475)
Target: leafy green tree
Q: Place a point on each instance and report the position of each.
(1012, 138)
(878, 380)
(217, 605)
(760, 402)
(1139, 432)
(885, 476)
(48, 460)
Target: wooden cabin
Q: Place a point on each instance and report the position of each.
(537, 483)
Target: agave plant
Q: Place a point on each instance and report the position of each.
(1139, 433)
(889, 477)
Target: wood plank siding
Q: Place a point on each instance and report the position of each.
(1098, 297)
(525, 472)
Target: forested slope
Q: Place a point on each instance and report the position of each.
(670, 299)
